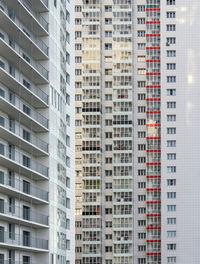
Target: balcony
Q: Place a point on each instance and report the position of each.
(12, 212)
(26, 90)
(12, 26)
(12, 132)
(29, 67)
(17, 185)
(14, 106)
(12, 159)
(25, 242)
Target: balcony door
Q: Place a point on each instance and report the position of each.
(2, 232)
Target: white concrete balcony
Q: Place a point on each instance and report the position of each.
(18, 213)
(29, 66)
(19, 186)
(23, 241)
(13, 133)
(12, 25)
(14, 106)
(27, 90)
(13, 159)
(27, 14)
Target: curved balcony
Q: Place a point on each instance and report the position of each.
(27, 90)
(17, 185)
(13, 26)
(13, 159)
(33, 217)
(29, 67)
(13, 104)
(14, 132)
(8, 240)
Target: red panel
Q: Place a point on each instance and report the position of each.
(153, 189)
(153, 138)
(153, 99)
(153, 112)
(153, 215)
(154, 254)
(152, 9)
(152, 60)
(153, 48)
(153, 73)
(154, 177)
(153, 22)
(153, 86)
(154, 202)
(153, 163)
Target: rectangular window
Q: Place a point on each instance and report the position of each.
(171, 182)
(171, 208)
(171, 143)
(171, 130)
(171, 117)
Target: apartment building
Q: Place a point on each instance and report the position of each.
(37, 155)
(137, 162)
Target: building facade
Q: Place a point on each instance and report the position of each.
(137, 107)
(37, 152)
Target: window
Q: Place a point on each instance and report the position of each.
(78, 59)
(171, 130)
(171, 156)
(108, 198)
(108, 21)
(68, 203)
(171, 246)
(171, 233)
(108, 147)
(171, 40)
(171, 208)
(171, 66)
(141, 84)
(141, 134)
(142, 172)
(171, 91)
(141, 122)
(171, 143)
(171, 2)
(108, 46)
(141, 185)
(108, 97)
(141, 248)
(68, 141)
(78, 72)
(171, 104)
(141, 159)
(68, 58)
(171, 169)
(171, 195)
(26, 135)
(141, 21)
(141, 8)
(78, 34)
(78, 21)
(171, 117)
(141, 46)
(78, 46)
(171, 53)
(108, 211)
(171, 221)
(141, 33)
(108, 8)
(108, 134)
(26, 109)
(108, 185)
(26, 238)
(171, 79)
(68, 182)
(68, 244)
(171, 14)
(141, 198)
(141, 147)
(141, 109)
(108, 249)
(141, 210)
(68, 161)
(141, 71)
(141, 222)
(171, 259)
(26, 212)
(26, 187)
(171, 27)
(108, 224)
(26, 161)
(108, 33)
(171, 182)
(141, 235)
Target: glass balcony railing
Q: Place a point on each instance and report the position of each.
(25, 213)
(23, 160)
(25, 240)
(16, 101)
(21, 186)
(36, 65)
(19, 131)
(11, 15)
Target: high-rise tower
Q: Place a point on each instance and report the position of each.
(36, 132)
(137, 163)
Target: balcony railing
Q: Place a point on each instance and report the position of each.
(20, 186)
(16, 101)
(38, 17)
(20, 212)
(37, 41)
(23, 240)
(23, 160)
(18, 130)
(36, 65)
